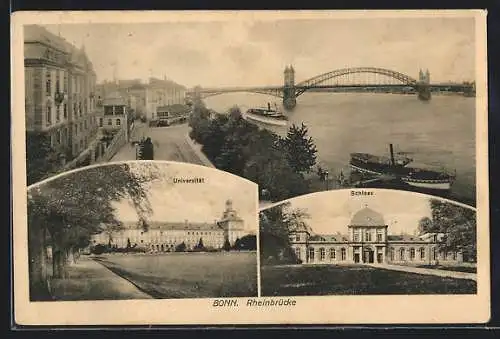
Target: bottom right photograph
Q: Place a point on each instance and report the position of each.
(367, 242)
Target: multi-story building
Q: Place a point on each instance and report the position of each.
(59, 85)
(367, 241)
(165, 236)
(162, 93)
(113, 112)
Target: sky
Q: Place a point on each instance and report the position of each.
(331, 211)
(255, 53)
(196, 202)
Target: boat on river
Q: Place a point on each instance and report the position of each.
(266, 115)
(396, 166)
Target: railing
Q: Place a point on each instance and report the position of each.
(118, 141)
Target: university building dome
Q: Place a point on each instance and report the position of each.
(367, 217)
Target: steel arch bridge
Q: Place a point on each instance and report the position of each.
(318, 82)
(314, 82)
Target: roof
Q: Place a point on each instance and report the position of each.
(329, 237)
(159, 83)
(367, 217)
(175, 226)
(36, 33)
(404, 238)
(114, 99)
(176, 108)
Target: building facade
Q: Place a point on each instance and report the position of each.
(166, 236)
(59, 92)
(367, 241)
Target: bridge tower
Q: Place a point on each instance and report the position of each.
(423, 85)
(289, 99)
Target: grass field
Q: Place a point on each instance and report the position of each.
(355, 280)
(188, 275)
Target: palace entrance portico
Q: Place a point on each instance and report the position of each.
(368, 254)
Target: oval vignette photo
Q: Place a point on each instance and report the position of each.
(139, 236)
(368, 242)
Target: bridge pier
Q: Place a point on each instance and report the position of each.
(423, 91)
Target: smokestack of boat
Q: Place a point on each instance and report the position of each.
(268, 106)
(392, 155)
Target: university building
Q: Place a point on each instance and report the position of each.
(165, 236)
(367, 240)
(60, 97)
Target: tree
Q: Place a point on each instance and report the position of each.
(181, 247)
(425, 225)
(227, 245)
(200, 246)
(276, 225)
(146, 150)
(246, 243)
(458, 225)
(300, 149)
(56, 217)
(41, 159)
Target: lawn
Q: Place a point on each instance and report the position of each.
(355, 280)
(466, 269)
(188, 275)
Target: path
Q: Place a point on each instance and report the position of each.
(89, 280)
(170, 144)
(427, 271)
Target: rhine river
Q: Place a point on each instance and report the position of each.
(437, 134)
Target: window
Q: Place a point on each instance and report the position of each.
(58, 137)
(379, 237)
(110, 122)
(422, 253)
(368, 236)
(48, 85)
(454, 255)
(321, 254)
(332, 253)
(342, 254)
(434, 254)
(297, 253)
(356, 236)
(412, 253)
(392, 254)
(401, 254)
(297, 237)
(118, 122)
(49, 113)
(311, 254)
(100, 122)
(85, 124)
(65, 111)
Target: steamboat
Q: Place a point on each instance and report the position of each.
(396, 166)
(266, 115)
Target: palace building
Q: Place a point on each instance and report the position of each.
(166, 236)
(368, 240)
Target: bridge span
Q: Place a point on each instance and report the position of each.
(364, 79)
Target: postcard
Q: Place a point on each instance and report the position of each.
(250, 167)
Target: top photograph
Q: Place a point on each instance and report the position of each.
(295, 105)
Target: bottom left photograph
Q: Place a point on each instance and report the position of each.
(142, 230)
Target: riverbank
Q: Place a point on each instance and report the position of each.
(197, 150)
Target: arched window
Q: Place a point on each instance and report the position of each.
(422, 253)
(311, 254)
(332, 253)
(343, 254)
(118, 122)
(401, 254)
(321, 254)
(412, 253)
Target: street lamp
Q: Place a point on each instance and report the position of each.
(326, 179)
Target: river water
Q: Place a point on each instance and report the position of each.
(437, 134)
